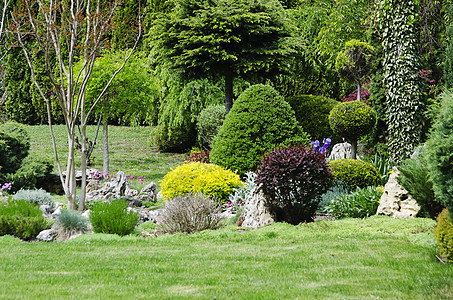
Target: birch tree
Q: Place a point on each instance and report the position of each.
(67, 32)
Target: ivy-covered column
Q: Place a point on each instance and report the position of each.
(448, 66)
(403, 95)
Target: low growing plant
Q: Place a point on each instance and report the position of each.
(294, 178)
(361, 203)
(37, 197)
(196, 177)
(70, 223)
(21, 219)
(237, 199)
(355, 173)
(190, 213)
(444, 235)
(113, 217)
(338, 189)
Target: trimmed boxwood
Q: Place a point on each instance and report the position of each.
(355, 173)
(312, 113)
(259, 121)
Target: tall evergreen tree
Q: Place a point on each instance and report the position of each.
(225, 38)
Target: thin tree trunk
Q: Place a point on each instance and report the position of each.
(70, 180)
(83, 167)
(359, 91)
(228, 91)
(105, 145)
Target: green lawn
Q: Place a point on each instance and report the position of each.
(375, 258)
(131, 150)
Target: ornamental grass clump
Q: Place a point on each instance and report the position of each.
(70, 223)
(294, 178)
(361, 203)
(113, 217)
(196, 177)
(190, 213)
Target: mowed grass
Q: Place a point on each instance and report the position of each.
(374, 258)
(131, 149)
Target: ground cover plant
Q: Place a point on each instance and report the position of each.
(351, 258)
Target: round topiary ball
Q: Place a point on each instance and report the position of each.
(259, 121)
(355, 173)
(352, 120)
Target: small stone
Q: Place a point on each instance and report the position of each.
(47, 235)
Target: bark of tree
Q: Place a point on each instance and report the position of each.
(60, 31)
(105, 145)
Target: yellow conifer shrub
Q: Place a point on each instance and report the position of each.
(196, 177)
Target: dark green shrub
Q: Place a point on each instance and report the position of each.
(352, 120)
(36, 197)
(70, 223)
(179, 110)
(21, 219)
(259, 121)
(32, 172)
(414, 177)
(295, 179)
(438, 150)
(177, 140)
(444, 235)
(190, 213)
(312, 113)
(209, 122)
(361, 203)
(113, 217)
(355, 173)
(14, 147)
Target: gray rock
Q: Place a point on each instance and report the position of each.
(340, 151)
(116, 188)
(56, 213)
(47, 235)
(396, 201)
(148, 193)
(256, 212)
(46, 210)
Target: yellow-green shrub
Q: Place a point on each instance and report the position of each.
(195, 177)
(444, 235)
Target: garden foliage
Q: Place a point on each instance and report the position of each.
(196, 177)
(361, 203)
(355, 173)
(190, 213)
(439, 149)
(444, 234)
(295, 179)
(16, 166)
(404, 103)
(70, 223)
(259, 121)
(21, 219)
(312, 113)
(209, 122)
(352, 120)
(36, 197)
(113, 217)
(414, 178)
